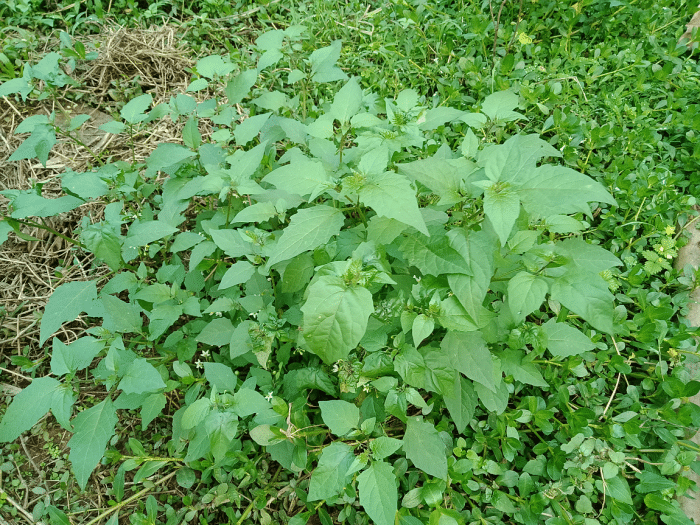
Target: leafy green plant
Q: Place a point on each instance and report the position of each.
(401, 298)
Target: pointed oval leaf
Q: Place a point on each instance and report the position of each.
(425, 447)
(308, 229)
(93, 429)
(27, 407)
(378, 494)
(335, 317)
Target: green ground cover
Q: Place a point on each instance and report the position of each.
(404, 263)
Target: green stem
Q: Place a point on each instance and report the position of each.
(130, 499)
(245, 514)
(48, 229)
(153, 458)
(81, 143)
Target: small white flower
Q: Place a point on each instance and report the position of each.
(198, 364)
(269, 396)
(335, 368)
(366, 388)
(205, 353)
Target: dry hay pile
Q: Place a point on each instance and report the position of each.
(29, 270)
(152, 58)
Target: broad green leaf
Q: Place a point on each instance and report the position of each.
(382, 230)
(442, 176)
(422, 328)
(217, 333)
(308, 229)
(461, 401)
(76, 356)
(670, 509)
(167, 155)
(86, 185)
(501, 502)
(502, 207)
(588, 295)
(141, 377)
(496, 401)
(296, 381)
(32, 205)
(249, 128)
(113, 126)
(30, 123)
(155, 293)
(323, 68)
(471, 290)
(191, 135)
(378, 494)
(436, 117)
(427, 368)
(134, 111)
(433, 256)
(563, 224)
(62, 405)
(564, 340)
(185, 241)
(93, 429)
(27, 407)
(297, 273)
(5, 228)
(330, 476)
(270, 100)
(196, 412)
(38, 145)
(515, 161)
(340, 416)
(120, 316)
(152, 408)
(586, 256)
(347, 102)
(424, 446)
(197, 85)
(65, 304)
(499, 106)
(391, 195)
(258, 212)
(214, 66)
(651, 482)
(104, 244)
(15, 85)
(220, 376)
(521, 367)
(145, 233)
(239, 88)
(221, 427)
(553, 190)
(265, 435)
(303, 176)
(384, 446)
(335, 317)
(231, 242)
(617, 488)
(247, 401)
(238, 273)
(58, 517)
(468, 353)
(526, 294)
